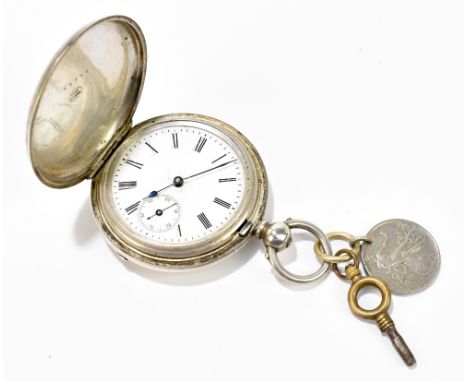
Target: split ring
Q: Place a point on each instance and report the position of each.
(342, 253)
(272, 252)
(350, 239)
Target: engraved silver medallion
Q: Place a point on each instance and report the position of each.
(403, 254)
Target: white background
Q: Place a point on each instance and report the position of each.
(356, 109)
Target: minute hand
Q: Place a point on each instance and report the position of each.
(210, 169)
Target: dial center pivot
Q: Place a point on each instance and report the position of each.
(178, 181)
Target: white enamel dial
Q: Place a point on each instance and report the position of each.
(178, 184)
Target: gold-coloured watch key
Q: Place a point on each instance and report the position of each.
(380, 313)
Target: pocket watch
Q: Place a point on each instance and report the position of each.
(175, 191)
(184, 190)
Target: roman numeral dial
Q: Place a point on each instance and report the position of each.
(201, 142)
(135, 164)
(127, 185)
(132, 208)
(204, 220)
(178, 184)
(151, 147)
(224, 180)
(222, 203)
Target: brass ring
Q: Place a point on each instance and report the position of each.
(359, 239)
(350, 239)
(372, 313)
(346, 253)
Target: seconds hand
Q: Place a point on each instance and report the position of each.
(159, 212)
(179, 181)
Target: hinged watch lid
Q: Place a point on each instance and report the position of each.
(85, 101)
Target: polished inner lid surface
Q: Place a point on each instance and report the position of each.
(86, 100)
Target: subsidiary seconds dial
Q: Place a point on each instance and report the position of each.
(178, 184)
(159, 213)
